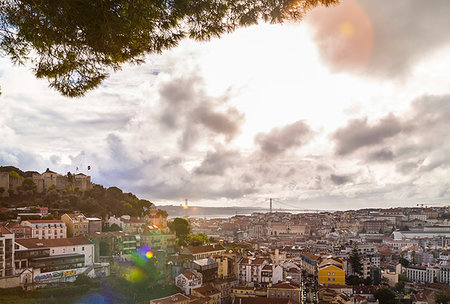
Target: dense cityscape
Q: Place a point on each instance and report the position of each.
(357, 256)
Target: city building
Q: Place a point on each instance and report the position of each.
(207, 291)
(46, 229)
(77, 224)
(331, 271)
(177, 298)
(20, 231)
(6, 252)
(188, 280)
(202, 252)
(79, 247)
(250, 270)
(94, 224)
(285, 290)
(113, 244)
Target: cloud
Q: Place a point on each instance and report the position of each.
(217, 162)
(360, 133)
(382, 155)
(340, 179)
(279, 140)
(377, 39)
(186, 107)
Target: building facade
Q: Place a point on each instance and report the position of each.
(77, 224)
(46, 229)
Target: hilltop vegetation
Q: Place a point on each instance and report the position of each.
(97, 201)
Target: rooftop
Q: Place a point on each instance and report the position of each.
(176, 298)
(37, 243)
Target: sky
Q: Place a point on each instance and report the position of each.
(348, 109)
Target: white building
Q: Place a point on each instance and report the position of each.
(6, 252)
(271, 274)
(188, 280)
(250, 270)
(47, 229)
(422, 274)
(78, 245)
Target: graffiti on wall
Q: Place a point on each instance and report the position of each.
(56, 275)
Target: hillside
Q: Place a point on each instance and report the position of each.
(96, 201)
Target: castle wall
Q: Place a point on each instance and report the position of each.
(15, 182)
(4, 182)
(39, 181)
(61, 182)
(44, 181)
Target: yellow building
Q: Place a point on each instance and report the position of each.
(77, 224)
(244, 292)
(331, 271)
(226, 266)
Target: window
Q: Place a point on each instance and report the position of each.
(73, 248)
(82, 248)
(76, 226)
(333, 273)
(329, 273)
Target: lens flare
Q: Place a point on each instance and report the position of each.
(149, 255)
(347, 29)
(135, 275)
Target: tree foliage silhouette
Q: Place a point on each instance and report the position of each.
(75, 44)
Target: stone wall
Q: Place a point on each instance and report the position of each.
(4, 182)
(44, 181)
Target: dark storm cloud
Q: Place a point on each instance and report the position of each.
(217, 162)
(418, 141)
(383, 39)
(360, 133)
(340, 179)
(384, 154)
(279, 140)
(187, 108)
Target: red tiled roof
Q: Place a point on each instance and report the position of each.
(173, 299)
(264, 301)
(44, 221)
(5, 230)
(285, 285)
(204, 249)
(206, 290)
(44, 243)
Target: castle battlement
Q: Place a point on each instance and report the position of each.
(46, 180)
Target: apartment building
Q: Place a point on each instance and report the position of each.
(202, 252)
(285, 290)
(188, 280)
(77, 224)
(250, 270)
(423, 274)
(20, 231)
(80, 249)
(46, 229)
(6, 252)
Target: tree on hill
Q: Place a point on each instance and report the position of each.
(198, 239)
(355, 261)
(113, 227)
(385, 296)
(442, 297)
(76, 44)
(181, 228)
